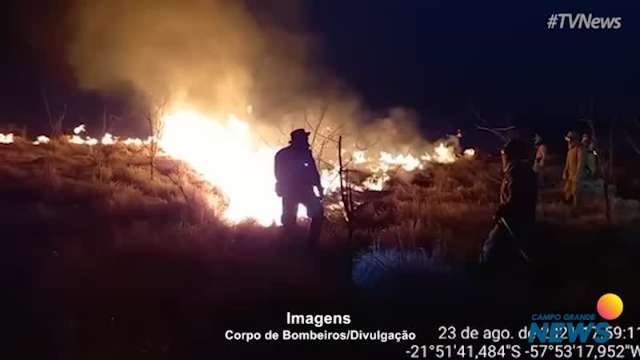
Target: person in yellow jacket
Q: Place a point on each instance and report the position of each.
(573, 167)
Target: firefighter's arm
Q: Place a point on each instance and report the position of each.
(315, 174)
(513, 196)
(505, 196)
(317, 181)
(565, 172)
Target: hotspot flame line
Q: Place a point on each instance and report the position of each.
(230, 157)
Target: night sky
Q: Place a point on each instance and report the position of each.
(439, 57)
(442, 57)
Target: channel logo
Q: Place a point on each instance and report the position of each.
(610, 306)
(576, 328)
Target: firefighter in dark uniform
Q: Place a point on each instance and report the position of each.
(515, 217)
(296, 177)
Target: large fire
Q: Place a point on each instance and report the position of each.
(227, 154)
(231, 157)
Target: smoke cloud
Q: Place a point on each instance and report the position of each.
(217, 56)
(200, 50)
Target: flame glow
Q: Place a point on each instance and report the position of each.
(469, 153)
(6, 139)
(79, 129)
(41, 140)
(228, 155)
(444, 155)
(407, 162)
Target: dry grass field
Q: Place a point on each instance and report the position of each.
(103, 261)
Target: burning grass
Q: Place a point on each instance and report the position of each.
(450, 204)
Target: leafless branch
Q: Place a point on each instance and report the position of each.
(345, 193)
(155, 120)
(320, 119)
(282, 132)
(477, 115)
(497, 131)
(505, 129)
(46, 105)
(633, 144)
(178, 183)
(328, 138)
(308, 123)
(54, 124)
(500, 132)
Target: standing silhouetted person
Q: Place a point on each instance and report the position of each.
(515, 217)
(296, 176)
(573, 169)
(540, 159)
(590, 167)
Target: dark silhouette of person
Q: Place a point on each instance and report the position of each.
(516, 214)
(296, 177)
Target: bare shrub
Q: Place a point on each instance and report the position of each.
(155, 120)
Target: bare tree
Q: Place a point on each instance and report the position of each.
(55, 122)
(155, 121)
(102, 154)
(108, 121)
(345, 191)
(319, 139)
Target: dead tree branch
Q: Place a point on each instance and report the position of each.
(345, 192)
(477, 115)
(55, 124)
(179, 169)
(319, 123)
(503, 133)
(633, 144)
(499, 132)
(328, 138)
(155, 120)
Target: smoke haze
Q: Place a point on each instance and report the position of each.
(220, 57)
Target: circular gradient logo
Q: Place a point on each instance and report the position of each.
(610, 306)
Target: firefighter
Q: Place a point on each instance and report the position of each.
(590, 157)
(515, 216)
(573, 168)
(296, 179)
(540, 158)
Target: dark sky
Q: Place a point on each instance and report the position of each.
(442, 56)
(439, 57)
